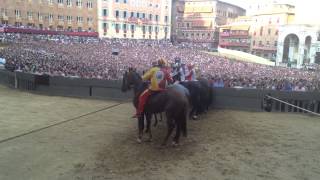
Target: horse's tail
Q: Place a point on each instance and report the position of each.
(183, 122)
(210, 99)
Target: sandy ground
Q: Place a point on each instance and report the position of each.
(226, 145)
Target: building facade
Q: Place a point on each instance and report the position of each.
(265, 28)
(72, 15)
(299, 46)
(134, 19)
(196, 21)
(236, 36)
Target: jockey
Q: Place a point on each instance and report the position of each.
(159, 77)
(178, 70)
(191, 74)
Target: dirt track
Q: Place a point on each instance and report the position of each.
(224, 145)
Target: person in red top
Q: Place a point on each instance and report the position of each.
(159, 77)
(191, 75)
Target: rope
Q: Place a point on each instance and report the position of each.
(59, 123)
(294, 106)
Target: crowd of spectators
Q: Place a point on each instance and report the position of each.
(93, 58)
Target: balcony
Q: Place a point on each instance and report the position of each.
(237, 44)
(264, 48)
(6, 18)
(234, 34)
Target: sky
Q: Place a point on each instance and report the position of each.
(307, 11)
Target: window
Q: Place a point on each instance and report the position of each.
(277, 32)
(132, 14)
(144, 29)
(125, 1)
(260, 43)
(124, 14)
(268, 43)
(79, 3)
(143, 15)
(90, 20)
(50, 18)
(253, 43)
(69, 19)
(150, 29)
(79, 19)
(60, 18)
(132, 28)
(276, 43)
(60, 2)
(69, 3)
(150, 17)
(50, 2)
(269, 31)
(105, 27)
(166, 19)
(89, 5)
(30, 15)
(105, 12)
(261, 31)
(157, 18)
(138, 15)
(117, 14)
(40, 17)
(17, 13)
(156, 29)
(117, 28)
(125, 27)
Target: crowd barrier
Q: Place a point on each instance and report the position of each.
(224, 98)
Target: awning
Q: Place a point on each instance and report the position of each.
(240, 28)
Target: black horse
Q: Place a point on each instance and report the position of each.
(170, 101)
(206, 94)
(201, 96)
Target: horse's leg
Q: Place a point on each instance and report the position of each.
(160, 116)
(194, 113)
(170, 125)
(177, 136)
(156, 120)
(148, 119)
(140, 127)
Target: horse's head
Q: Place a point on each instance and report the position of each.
(130, 78)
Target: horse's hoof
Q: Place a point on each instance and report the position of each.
(175, 144)
(139, 140)
(149, 140)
